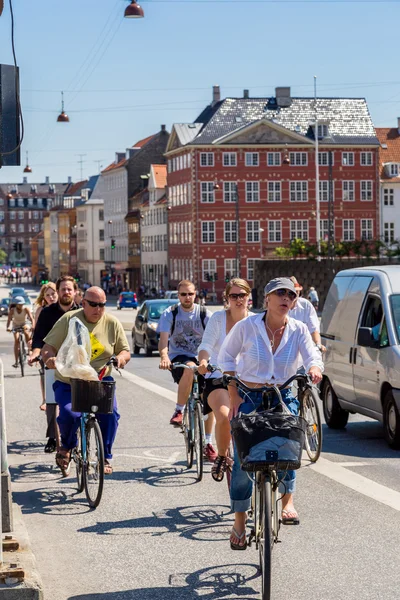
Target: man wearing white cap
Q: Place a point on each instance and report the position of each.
(19, 315)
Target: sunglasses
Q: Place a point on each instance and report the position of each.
(94, 304)
(281, 293)
(237, 296)
(186, 293)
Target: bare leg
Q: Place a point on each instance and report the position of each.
(219, 402)
(185, 386)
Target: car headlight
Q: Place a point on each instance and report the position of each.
(152, 325)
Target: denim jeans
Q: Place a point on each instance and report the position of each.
(242, 481)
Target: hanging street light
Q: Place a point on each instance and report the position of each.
(62, 117)
(27, 168)
(134, 11)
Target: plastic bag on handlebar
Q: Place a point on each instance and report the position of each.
(73, 358)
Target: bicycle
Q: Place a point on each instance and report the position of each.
(21, 348)
(193, 424)
(308, 398)
(89, 398)
(265, 499)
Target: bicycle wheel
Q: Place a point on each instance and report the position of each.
(78, 460)
(198, 439)
(187, 432)
(310, 412)
(22, 355)
(266, 538)
(93, 472)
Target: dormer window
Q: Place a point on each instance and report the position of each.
(392, 169)
(323, 130)
(33, 188)
(14, 189)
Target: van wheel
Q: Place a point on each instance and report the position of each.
(136, 348)
(335, 416)
(391, 421)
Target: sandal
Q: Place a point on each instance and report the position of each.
(63, 460)
(290, 520)
(240, 537)
(51, 446)
(221, 464)
(108, 469)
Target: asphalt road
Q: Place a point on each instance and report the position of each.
(159, 535)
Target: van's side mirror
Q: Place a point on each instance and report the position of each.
(140, 318)
(365, 338)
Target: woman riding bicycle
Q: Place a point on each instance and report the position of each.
(216, 397)
(264, 349)
(18, 317)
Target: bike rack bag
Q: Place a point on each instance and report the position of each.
(92, 396)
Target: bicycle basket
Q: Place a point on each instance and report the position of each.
(92, 396)
(268, 438)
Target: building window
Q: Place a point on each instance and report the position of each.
(206, 159)
(36, 214)
(1, 215)
(348, 159)
(348, 230)
(298, 191)
(299, 230)
(20, 215)
(273, 159)
(388, 229)
(252, 191)
(298, 159)
(323, 159)
(388, 196)
(229, 159)
(252, 231)
(348, 191)
(274, 191)
(323, 131)
(366, 229)
(208, 232)
(230, 268)
(101, 214)
(324, 230)
(230, 191)
(230, 232)
(274, 231)
(2, 228)
(366, 159)
(324, 191)
(250, 269)
(12, 214)
(366, 191)
(13, 228)
(207, 191)
(20, 228)
(101, 235)
(209, 267)
(101, 253)
(252, 159)
(394, 171)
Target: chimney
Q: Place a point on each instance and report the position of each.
(283, 98)
(69, 179)
(24, 180)
(47, 180)
(216, 94)
(163, 128)
(398, 125)
(246, 94)
(119, 156)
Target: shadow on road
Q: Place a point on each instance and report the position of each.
(201, 523)
(233, 581)
(360, 438)
(169, 476)
(34, 472)
(51, 501)
(25, 447)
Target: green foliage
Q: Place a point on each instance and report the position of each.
(3, 256)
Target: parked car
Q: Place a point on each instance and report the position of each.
(4, 304)
(127, 300)
(360, 327)
(17, 291)
(144, 334)
(171, 294)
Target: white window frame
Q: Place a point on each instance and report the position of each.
(298, 159)
(349, 231)
(229, 159)
(394, 170)
(348, 159)
(388, 232)
(366, 190)
(366, 159)
(299, 191)
(230, 232)
(207, 192)
(208, 265)
(323, 159)
(388, 196)
(252, 232)
(348, 193)
(322, 130)
(275, 231)
(252, 191)
(231, 267)
(324, 230)
(230, 191)
(275, 158)
(206, 159)
(367, 229)
(252, 159)
(324, 190)
(274, 191)
(208, 232)
(250, 268)
(299, 229)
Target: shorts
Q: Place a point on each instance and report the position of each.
(208, 388)
(181, 358)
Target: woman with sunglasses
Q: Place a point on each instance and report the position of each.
(216, 397)
(266, 349)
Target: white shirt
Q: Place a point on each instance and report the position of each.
(306, 313)
(247, 351)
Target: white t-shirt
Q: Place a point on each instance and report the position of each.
(306, 313)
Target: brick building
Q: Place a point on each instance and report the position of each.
(247, 166)
(389, 165)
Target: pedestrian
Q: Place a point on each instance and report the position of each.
(313, 297)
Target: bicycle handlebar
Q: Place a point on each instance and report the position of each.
(194, 368)
(266, 388)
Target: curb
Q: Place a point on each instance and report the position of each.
(31, 588)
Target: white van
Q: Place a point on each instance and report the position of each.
(360, 327)
(171, 295)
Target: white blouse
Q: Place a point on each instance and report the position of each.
(306, 313)
(247, 351)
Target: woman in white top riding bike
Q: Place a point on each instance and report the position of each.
(18, 317)
(266, 349)
(216, 397)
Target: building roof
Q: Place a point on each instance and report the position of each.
(348, 119)
(92, 202)
(186, 132)
(389, 137)
(160, 175)
(74, 189)
(115, 165)
(42, 190)
(162, 200)
(143, 142)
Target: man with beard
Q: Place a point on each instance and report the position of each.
(66, 287)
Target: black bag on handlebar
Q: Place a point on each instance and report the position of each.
(269, 438)
(92, 396)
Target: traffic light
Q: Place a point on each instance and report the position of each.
(19, 246)
(227, 277)
(207, 276)
(112, 244)
(15, 246)
(215, 276)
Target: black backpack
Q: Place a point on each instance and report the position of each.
(174, 311)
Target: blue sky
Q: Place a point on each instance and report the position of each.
(123, 78)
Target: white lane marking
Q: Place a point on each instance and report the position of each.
(352, 464)
(358, 483)
(151, 458)
(152, 387)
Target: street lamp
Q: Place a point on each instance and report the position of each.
(62, 117)
(238, 253)
(134, 11)
(261, 248)
(317, 207)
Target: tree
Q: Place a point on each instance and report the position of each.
(3, 256)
